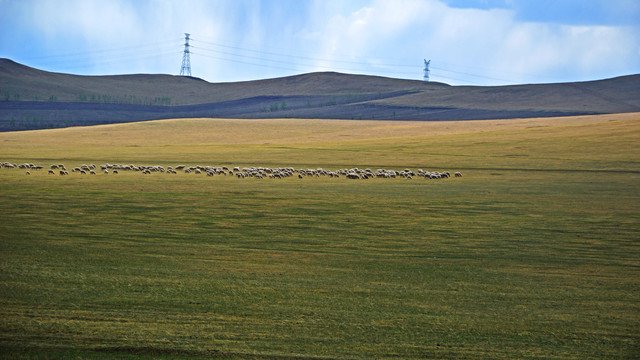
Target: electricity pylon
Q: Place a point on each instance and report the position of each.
(185, 70)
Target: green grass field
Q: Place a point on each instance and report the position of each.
(533, 253)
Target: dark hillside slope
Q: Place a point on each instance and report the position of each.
(33, 99)
(615, 95)
(31, 84)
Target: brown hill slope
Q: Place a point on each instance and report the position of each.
(36, 85)
(31, 98)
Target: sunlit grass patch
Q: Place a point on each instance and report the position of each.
(534, 255)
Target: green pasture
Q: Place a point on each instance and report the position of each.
(533, 253)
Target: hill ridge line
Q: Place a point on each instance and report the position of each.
(37, 99)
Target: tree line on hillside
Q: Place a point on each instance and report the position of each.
(93, 98)
(33, 122)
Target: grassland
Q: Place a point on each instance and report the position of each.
(534, 253)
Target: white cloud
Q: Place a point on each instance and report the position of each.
(365, 29)
(490, 43)
(467, 45)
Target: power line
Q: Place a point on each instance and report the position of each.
(333, 60)
(465, 73)
(297, 70)
(106, 52)
(289, 65)
(235, 61)
(297, 65)
(377, 64)
(95, 58)
(238, 55)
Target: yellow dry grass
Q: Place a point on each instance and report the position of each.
(581, 142)
(206, 131)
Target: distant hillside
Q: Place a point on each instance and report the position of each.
(33, 99)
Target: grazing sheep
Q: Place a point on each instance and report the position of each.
(256, 172)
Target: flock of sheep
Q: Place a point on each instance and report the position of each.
(246, 172)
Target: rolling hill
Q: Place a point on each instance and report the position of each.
(35, 99)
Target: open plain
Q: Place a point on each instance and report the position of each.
(532, 253)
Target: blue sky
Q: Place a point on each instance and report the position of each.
(469, 42)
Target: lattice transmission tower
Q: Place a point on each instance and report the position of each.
(426, 69)
(185, 70)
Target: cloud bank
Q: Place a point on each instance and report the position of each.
(469, 42)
